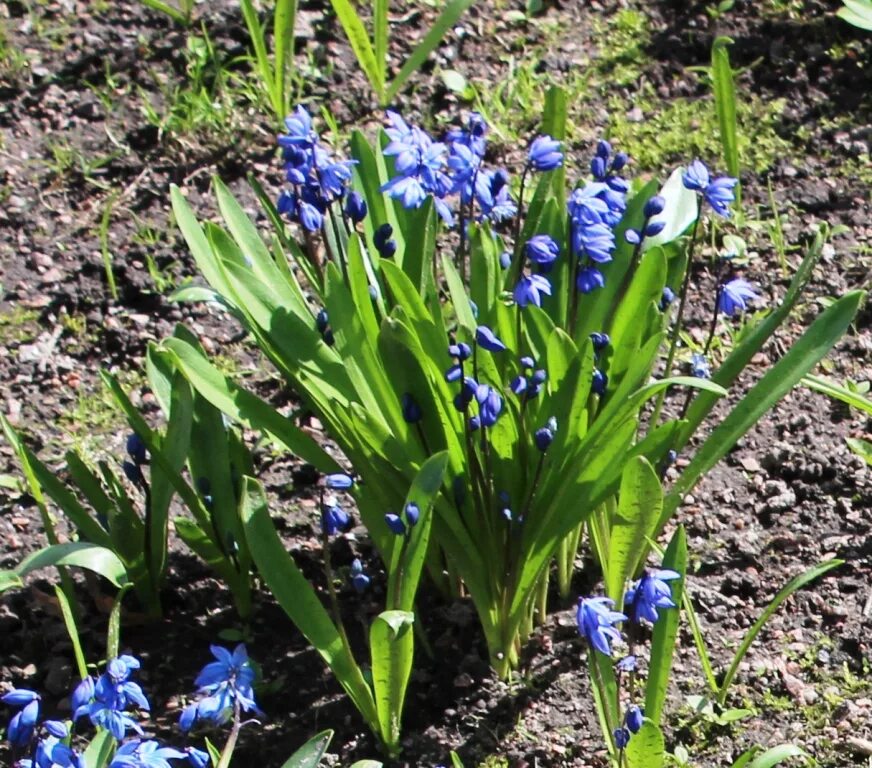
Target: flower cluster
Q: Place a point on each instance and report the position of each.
(489, 400)
(718, 193)
(227, 684)
(597, 623)
(315, 178)
(108, 699)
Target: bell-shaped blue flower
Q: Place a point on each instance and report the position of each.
(596, 621)
(530, 289)
(487, 339)
(545, 154)
(735, 296)
(543, 251)
(650, 593)
(589, 279)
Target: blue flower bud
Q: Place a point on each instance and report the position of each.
(136, 449)
(626, 664)
(622, 737)
(539, 376)
(382, 235)
(488, 340)
(355, 207)
(453, 373)
(543, 438)
(654, 206)
(545, 154)
(632, 236)
(413, 512)
(198, 758)
(474, 424)
(19, 697)
(599, 383)
(412, 413)
(397, 526)
(359, 580)
(667, 298)
(635, 718)
(56, 728)
(527, 362)
(133, 472)
(654, 228)
(505, 259)
(600, 341)
(188, 717)
(461, 351)
(621, 159)
(518, 385)
(339, 481)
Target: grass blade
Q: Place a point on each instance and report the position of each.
(796, 583)
(72, 632)
(360, 44)
(725, 106)
(380, 36)
(449, 16)
(284, 21)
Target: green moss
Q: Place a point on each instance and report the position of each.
(18, 325)
(673, 131)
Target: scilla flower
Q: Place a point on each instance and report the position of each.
(545, 154)
(650, 593)
(530, 289)
(735, 296)
(596, 621)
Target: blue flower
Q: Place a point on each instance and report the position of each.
(542, 251)
(145, 754)
(494, 196)
(82, 696)
(359, 580)
(696, 176)
(599, 383)
(334, 519)
(717, 193)
(545, 154)
(544, 436)
(600, 341)
(23, 724)
(198, 758)
(461, 351)
(19, 697)
(589, 279)
(50, 752)
(529, 290)
(699, 366)
(626, 664)
(466, 394)
(299, 130)
(227, 681)
(654, 206)
(650, 593)
(413, 513)
(735, 296)
(596, 623)
(487, 339)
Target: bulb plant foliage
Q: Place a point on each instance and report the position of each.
(419, 301)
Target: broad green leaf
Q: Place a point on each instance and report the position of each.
(639, 503)
(802, 356)
(296, 596)
(451, 12)
(391, 644)
(665, 631)
(310, 754)
(80, 554)
(795, 584)
(647, 748)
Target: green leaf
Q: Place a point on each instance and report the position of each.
(725, 103)
(639, 503)
(113, 633)
(310, 754)
(647, 748)
(838, 392)
(297, 598)
(284, 20)
(72, 632)
(80, 554)
(777, 755)
(367, 764)
(391, 645)
(360, 44)
(9, 580)
(857, 12)
(795, 584)
(666, 630)
(861, 447)
(99, 750)
(174, 13)
(802, 356)
(451, 12)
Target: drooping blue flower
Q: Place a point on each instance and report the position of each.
(338, 481)
(334, 519)
(494, 197)
(626, 664)
(299, 130)
(23, 724)
(720, 195)
(359, 580)
(50, 752)
(82, 696)
(699, 366)
(56, 728)
(589, 279)
(545, 154)
(596, 622)
(487, 339)
(735, 296)
(535, 382)
(696, 176)
(198, 758)
(542, 251)
(635, 718)
(530, 289)
(650, 593)
(227, 681)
